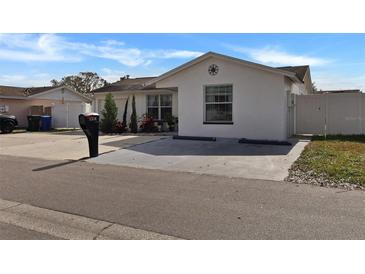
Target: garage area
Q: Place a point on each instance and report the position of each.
(224, 157)
(62, 103)
(69, 145)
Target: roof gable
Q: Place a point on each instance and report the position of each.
(36, 92)
(300, 71)
(46, 94)
(203, 57)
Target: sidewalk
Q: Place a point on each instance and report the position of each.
(22, 221)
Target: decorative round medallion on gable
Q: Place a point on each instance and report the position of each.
(213, 69)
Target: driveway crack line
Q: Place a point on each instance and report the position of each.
(102, 230)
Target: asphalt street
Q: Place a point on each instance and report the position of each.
(184, 205)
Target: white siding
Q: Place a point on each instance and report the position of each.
(59, 93)
(295, 88)
(259, 101)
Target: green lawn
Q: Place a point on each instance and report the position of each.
(340, 158)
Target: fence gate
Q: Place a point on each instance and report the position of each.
(338, 113)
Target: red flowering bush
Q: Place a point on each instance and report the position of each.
(119, 127)
(147, 124)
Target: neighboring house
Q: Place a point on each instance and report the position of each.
(216, 95)
(62, 103)
(304, 75)
(338, 91)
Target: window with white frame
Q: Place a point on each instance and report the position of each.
(159, 106)
(218, 104)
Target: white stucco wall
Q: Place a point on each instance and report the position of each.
(141, 102)
(308, 87)
(259, 101)
(58, 94)
(295, 88)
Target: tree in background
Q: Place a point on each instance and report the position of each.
(84, 82)
(133, 125)
(124, 123)
(109, 115)
(314, 87)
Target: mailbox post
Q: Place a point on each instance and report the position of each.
(89, 123)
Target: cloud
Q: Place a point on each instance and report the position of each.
(330, 81)
(55, 48)
(111, 42)
(27, 47)
(277, 57)
(167, 54)
(33, 80)
(111, 75)
(131, 57)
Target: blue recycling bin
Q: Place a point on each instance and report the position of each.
(46, 123)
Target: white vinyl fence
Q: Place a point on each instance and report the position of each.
(339, 113)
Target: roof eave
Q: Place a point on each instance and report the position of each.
(13, 97)
(296, 79)
(213, 54)
(60, 87)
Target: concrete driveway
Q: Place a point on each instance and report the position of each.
(70, 145)
(224, 157)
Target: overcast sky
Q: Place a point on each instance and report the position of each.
(337, 60)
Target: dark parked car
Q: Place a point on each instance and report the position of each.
(7, 123)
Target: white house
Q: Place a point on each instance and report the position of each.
(216, 95)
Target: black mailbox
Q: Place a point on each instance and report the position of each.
(89, 123)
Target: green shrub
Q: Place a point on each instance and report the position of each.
(124, 123)
(134, 126)
(109, 115)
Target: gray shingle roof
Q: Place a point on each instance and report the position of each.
(22, 92)
(339, 91)
(300, 71)
(125, 84)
